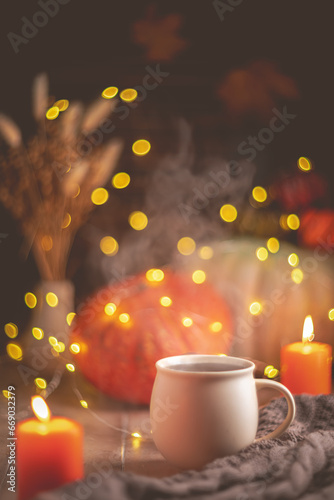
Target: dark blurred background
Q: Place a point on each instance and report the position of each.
(88, 46)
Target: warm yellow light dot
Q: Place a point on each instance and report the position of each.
(128, 95)
(198, 276)
(304, 164)
(62, 105)
(47, 243)
(166, 301)
(141, 147)
(138, 220)
(273, 245)
(283, 222)
(273, 373)
(261, 253)
(83, 403)
(70, 367)
(255, 308)
(37, 333)
(228, 213)
(205, 252)
(109, 92)
(76, 191)
(66, 221)
(216, 326)
(59, 347)
(186, 245)
(53, 341)
(52, 113)
(30, 300)
(124, 318)
(268, 369)
(136, 435)
(51, 299)
(14, 351)
(331, 314)
(110, 308)
(293, 222)
(259, 194)
(75, 348)
(293, 259)
(155, 275)
(69, 318)
(109, 246)
(121, 180)
(99, 196)
(297, 275)
(187, 322)
(6, 393)
(40, 383)
(11, 330)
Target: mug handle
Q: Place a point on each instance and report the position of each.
(263, 383)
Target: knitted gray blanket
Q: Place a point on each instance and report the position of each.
(298, 465)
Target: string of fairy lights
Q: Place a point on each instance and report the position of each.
(138, 221)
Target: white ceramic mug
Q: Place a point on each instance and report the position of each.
(205, 406)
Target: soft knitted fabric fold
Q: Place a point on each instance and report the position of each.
(298, 465)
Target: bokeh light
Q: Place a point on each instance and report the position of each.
(283, 222)
(109, 92)
(121, 180)
(53, 341)
(304, 164)
(110, 308)
(331, 314)
(11, 330)
(40, 383)
(124, 318)
(66, 221)
(293, 259)
(38, 333)
(47, 243)
(75, 348)
(128, 95)
(205, 252)
(83, 403)
(141, 147)
(70, 367)
(186, 245)
(187, 322)
(255, 308)
(166, 301)
(216, 326)
(273, 245)
(14, 351)
(138, 220)
(62, 105)
(155, 275)
(51, 299)
(297, 275)
(259, 194)
(52, 113)
(69, 318)
(198, 276)
(293, 222)
(261, 253)
(99, 196)
(30, 300)
(228, 213)
(109, 245)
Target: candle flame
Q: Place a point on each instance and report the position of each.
(308, 330)
(40, 408)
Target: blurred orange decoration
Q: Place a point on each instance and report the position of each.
(255, 89)
(123, 329)
(317, 228)
(298, 191)
(159, 35)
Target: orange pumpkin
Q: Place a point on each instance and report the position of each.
(125, 328)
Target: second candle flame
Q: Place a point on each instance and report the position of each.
(40, 408)
(308, 330)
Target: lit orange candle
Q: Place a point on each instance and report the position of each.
(49, 451)
(306, 367)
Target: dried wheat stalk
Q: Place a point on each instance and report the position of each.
(40, 181)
